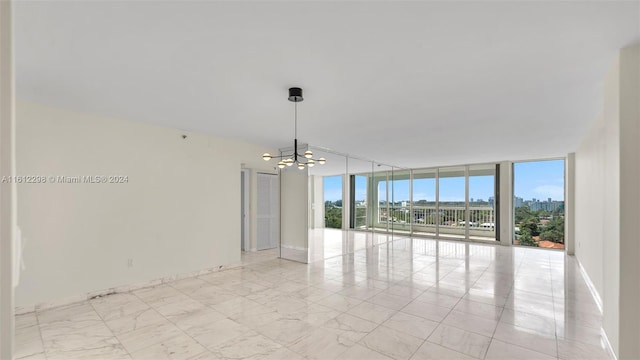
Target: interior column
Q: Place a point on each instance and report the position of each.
(506, 203)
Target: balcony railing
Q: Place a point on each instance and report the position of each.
(424, 218)
(448, 216)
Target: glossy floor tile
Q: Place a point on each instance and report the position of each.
(363, 296)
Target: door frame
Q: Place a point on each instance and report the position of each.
(245, 194)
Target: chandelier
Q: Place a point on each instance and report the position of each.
(304, 160)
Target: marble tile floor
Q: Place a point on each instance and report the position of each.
(403, 299)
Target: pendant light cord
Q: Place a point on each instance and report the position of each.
(295, 132)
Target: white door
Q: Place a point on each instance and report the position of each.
(268, 211)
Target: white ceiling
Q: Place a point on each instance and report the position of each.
(405, 83)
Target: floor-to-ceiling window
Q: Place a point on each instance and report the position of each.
(400, 204)
(425, 215)
(451, 201)
(482, 210)
(460, 201)
(359, 212)
(382, 193)
(538, 201)
(360, 195)
(333, 202)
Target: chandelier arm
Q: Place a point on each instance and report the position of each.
(281, 156)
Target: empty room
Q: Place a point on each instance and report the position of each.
(319, 179)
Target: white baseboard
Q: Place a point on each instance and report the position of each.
(608, 344)
(592, 288)
(19, 310)
(298, 248)
(596, 295)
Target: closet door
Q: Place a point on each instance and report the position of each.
(268, 211)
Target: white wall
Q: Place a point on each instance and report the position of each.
(596, 164)
(178, 212)
(630, 202)
(607, 205)
(316, 194)
(597, 204)
(294, 218)
(7, 190)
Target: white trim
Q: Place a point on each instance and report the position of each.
(346, 198)
(298, 248)
(467, 215)
(246, 207)
(592, 288)
(608, 344)
(19, 310)
(8, 192)
(596, 297)
(569, 203)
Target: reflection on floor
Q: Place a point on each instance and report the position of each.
(362, 298)
(488, 236)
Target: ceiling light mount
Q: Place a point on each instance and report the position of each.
(295, 94)
(301, 160)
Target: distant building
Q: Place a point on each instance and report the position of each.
(517, 201)
(536, 205)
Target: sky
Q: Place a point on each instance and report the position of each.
(539, 179)
(535, 179)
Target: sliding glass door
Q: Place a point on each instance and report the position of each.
(359, 201)
(449, 202)
(382, 193)
(452, 202)
(482, 210)
(424, 212)
(400, 204)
